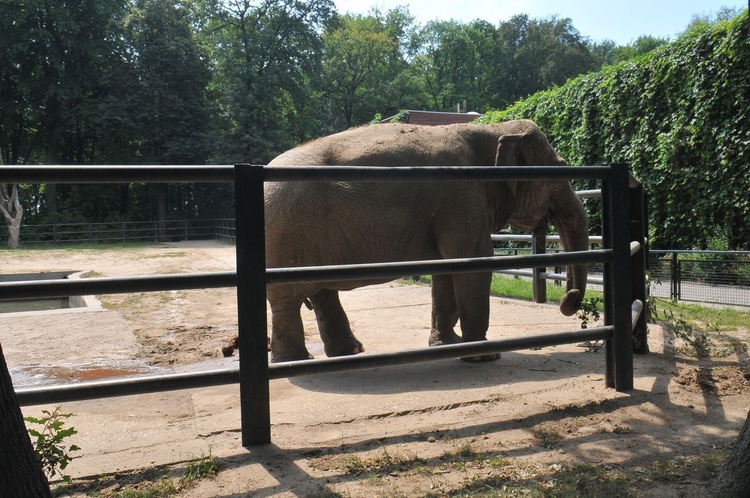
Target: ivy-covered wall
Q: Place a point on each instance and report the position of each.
(680, 117)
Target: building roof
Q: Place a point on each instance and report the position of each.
(433, 118)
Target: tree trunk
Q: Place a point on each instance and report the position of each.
(14, 234)
(734, 478)
(20, 471)
(10, 206)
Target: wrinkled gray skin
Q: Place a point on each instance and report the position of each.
(341, 223)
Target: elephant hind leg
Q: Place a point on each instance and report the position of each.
(333, 325)
(288, 333)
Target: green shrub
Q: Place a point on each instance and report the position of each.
(48, 442)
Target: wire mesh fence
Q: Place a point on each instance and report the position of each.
(709, 277)
(714, 277)
(125, 231)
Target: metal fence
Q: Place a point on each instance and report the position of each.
(125, 231)
(712, 277)
(623, 256)
(704, 277)
(717, 277)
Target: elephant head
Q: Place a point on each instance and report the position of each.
(535, 203)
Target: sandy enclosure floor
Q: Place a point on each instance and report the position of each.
(540, 411)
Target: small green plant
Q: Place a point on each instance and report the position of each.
(402, 116)
(465, 451)
(546, 438)
(200, 468)
(163, 488)
(48, 442)
(354, 465)
(498, 461)
(590, 311)
(681, 327)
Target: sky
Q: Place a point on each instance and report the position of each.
(621, 21)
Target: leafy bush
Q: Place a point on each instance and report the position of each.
(48, 442)
(679, 116)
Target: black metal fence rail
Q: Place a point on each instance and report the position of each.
(624, 223)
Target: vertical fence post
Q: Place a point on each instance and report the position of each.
(251, 305)
(639, 232)
(539, 246)
(674, 278)
(617, 286)
(608, 287)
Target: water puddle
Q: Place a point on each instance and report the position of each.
(66, 373)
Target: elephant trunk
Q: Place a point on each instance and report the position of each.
(571, 221)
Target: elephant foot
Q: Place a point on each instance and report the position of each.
(443, 338)
(482, 357)
(355, 347)
(282, 357)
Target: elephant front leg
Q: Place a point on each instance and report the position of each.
(287, 332)
(333, 325)
(473, 300)
(444, 311)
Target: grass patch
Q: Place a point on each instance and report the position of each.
(701, 468)
(546, 438)
(157, 482)
(514, 288)
(518, 288)
(705, 317)
(574, 482)
(697, 316)
(76, 247)
(171, 254)
(462, 455)
(382, 463)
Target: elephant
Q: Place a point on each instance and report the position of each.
(332, 223)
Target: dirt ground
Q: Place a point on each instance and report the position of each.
(532, 420)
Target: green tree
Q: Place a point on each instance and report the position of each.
(356, 52)
(268, 65)
(641, 46)
(543, 53)
(169, 103)
(51, 61)
(169, 107)
(460, 63)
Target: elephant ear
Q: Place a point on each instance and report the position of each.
(510, 153)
